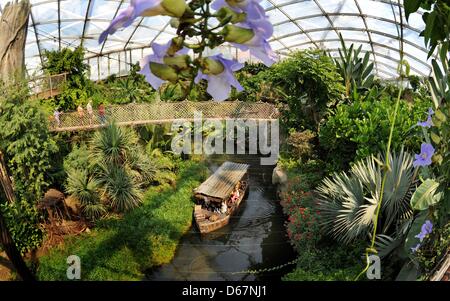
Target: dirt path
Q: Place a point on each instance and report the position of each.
(5, 267)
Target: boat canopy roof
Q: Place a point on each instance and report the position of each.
(222, 183)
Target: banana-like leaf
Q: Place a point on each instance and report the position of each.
(426, 195)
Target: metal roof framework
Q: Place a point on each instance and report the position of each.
(298, 24)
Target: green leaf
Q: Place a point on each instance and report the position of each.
(409, 272)
(411, 6)
(425, 195)
(411, 239)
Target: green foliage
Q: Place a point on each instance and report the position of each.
(86, 190)
(123, 249)
(308, 82)
(358, 130)
(78, 87)
(77, 159)
(26, 142)
(318, 257)
(121, 189)
(437, 21)
(327, 263)
(132, 88)
(22, 220)
(433, 249)
(256, 88)
(356, 71)
(426, 195)
(301, 144)
(348, 201)
(113, 166)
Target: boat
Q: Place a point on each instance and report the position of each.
(219, 197)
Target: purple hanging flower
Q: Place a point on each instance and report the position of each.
(424, 158)
(426, 229)
(258, 22)
(429, 122)
(259, 45)
(221, 79)
(159, 52)
(145, 8)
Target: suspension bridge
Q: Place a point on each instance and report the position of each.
(163, 112)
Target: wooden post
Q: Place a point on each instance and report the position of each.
(13, 35)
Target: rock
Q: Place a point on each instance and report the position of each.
(279, 176)
(73, 205)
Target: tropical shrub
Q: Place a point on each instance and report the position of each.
(348, 201)
(77, 159)
(87, 191)
(122, 191)
(78, 88)
(356, 71)
(22, 220)
(132, 88)
(309, 84)
(301, 144)
(110, 172)
(358, 130)
(123, 249)
(319, 258)
(437, 21)
(26, 142)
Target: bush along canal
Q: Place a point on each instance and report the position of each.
(253, 242)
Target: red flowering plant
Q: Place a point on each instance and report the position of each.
(303, 223)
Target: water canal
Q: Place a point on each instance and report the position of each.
(255, 238)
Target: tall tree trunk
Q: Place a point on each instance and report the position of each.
(13, 253)
(5, 180)
(13, 35)
(5, 236)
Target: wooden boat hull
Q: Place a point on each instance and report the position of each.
(205, 225)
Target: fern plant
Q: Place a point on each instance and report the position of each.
(348, 200)
(356, 71)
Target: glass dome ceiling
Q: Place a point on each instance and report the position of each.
(299, 24)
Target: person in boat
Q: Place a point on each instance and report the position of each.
(224, 208)
(236, 194)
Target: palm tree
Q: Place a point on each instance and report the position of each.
(120, 187)
(348, 201)
(86, 190)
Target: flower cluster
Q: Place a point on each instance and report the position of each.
(427, 150)
(242, 23)
(426, 229)
(303, 217)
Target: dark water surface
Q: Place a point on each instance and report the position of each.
(255, 238)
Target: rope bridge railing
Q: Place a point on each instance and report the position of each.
(47, 86)
(163, 112)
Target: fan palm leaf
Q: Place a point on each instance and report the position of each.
(348, 201)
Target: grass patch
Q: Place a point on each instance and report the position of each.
(122, 249)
